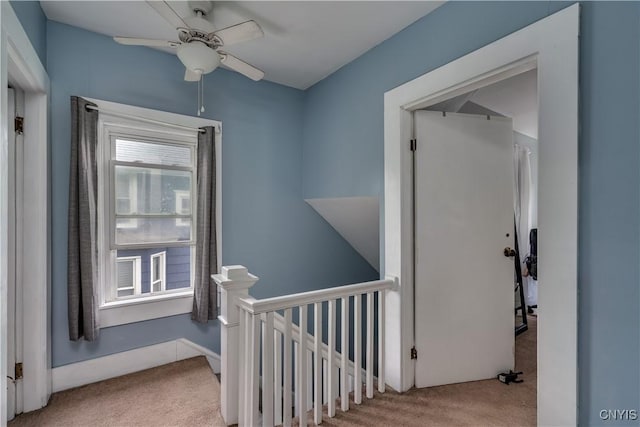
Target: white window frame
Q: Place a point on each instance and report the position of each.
(162, 259)
(137, 274)
(125, 117)
(112, 128)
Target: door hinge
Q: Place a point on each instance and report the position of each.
(18, 373)
(19, 125)
(412, 144)
(414, 353)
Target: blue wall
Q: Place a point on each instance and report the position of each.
(609, 210)
(344, 113)
(343, 156)
(34, 22)
(266, 224)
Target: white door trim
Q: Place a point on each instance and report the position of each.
(551, 45)
(12, 272)
(20, 65)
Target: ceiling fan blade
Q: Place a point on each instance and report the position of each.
(145, 42)
(191, 76)
(167, 12)
(241, 67)
(238, 33)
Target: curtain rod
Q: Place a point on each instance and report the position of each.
(127, 116)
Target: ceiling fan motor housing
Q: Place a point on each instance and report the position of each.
(199, 24)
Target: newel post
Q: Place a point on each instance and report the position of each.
(234, 282)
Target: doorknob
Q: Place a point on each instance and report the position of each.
(508, 252)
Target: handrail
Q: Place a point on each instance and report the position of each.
(258, 306)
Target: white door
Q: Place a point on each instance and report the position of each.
(464, 295)
(14, 306)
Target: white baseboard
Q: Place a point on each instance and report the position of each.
(127, 362)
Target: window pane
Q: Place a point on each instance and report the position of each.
(124, 206)
(151, 191)
(177, 267)
(155, 268)
(149, 152)
(125, 273)
(123, 187)
(152, 230)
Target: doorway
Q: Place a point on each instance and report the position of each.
(475, 206)
(21, 68)
(550, 45)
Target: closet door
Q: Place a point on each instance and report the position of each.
(464, 301)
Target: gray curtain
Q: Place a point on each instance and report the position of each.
(524, 209)
(82, 251)
(204, 294)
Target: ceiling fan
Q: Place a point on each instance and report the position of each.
(200, 45)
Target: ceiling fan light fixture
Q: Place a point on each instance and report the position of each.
(198, 43)
(198, 57)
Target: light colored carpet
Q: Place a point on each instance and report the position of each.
(184, 393)
(479, 403)
(187, 393)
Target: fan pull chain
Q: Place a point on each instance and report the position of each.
(202, 96)
(199, 102)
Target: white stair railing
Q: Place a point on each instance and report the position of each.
(276, 365)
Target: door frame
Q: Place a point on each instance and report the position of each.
(12, 315)
(20, 65)
(16, 303)
(551, 45)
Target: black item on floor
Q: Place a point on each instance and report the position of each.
(509, 377)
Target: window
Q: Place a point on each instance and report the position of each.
(128, 276)
(146, 212)
(147, 178)
(158, 272)
(152, 185)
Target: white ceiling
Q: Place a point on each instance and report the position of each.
(304, 41)
(515, 97)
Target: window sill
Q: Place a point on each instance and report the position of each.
(138, 310)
